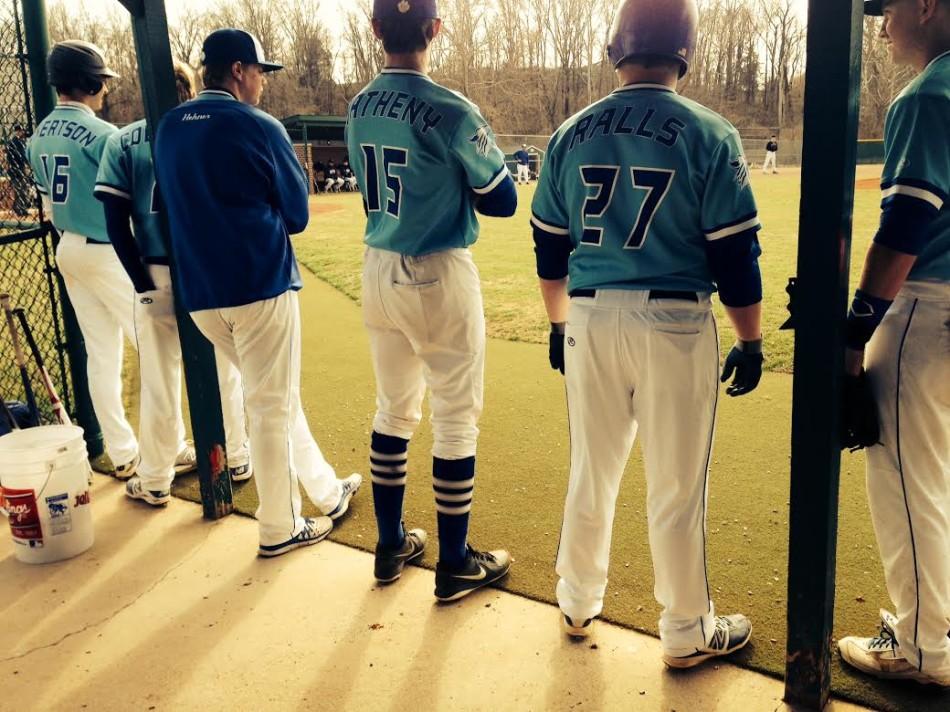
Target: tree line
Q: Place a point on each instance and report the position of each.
(529, 64)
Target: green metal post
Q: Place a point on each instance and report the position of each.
(150, 30)
(832, 91)
(44, 100)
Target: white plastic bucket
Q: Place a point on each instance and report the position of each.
(45, 477)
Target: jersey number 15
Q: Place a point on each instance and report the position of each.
(392, 158)
(654, 181)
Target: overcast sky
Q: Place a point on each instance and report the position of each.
(330, 10)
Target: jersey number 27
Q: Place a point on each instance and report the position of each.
(655, 182)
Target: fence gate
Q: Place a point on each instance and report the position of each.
(27, 266)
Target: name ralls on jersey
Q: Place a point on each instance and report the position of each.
(636, 121)
(398, 106)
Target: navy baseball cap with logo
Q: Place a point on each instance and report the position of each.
(874, 8)
(405, 9)
(230, 45)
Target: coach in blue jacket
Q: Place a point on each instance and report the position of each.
(234, 192)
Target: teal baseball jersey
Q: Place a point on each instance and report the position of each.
(126, 171)
(917, 164)
(64, 153)
(641, 182)
(421, 153)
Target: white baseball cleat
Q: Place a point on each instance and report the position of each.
(156, 498)
(125, 472)
(187, 460)
(731, 634)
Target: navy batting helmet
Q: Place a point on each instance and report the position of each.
(662, 29)
(74, 64)
(409, 9)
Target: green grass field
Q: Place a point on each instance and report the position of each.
(332, 247)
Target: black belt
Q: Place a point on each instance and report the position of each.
(159, 261)
(654, 294)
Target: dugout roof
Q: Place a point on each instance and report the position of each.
(310, 127)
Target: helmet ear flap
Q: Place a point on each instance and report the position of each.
(91, 85)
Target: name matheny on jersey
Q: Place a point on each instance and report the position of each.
(398, 106)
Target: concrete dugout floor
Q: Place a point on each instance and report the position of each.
(167, 612)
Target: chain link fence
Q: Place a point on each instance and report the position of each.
(27, 265)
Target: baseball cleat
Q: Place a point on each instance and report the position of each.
(881, 656)
(156, 498)
(241, 473)
(187, 460)
(351, 486)
(731, 634)
(126, 471)
(389, 563)
(576, 628)
(481, 569)
(315, 529)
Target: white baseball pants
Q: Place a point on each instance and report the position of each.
(771, 159)
(161, 428)
(103, 297)
(523, 173)
(650, 366)
(263, 341)
(426, 328)
(908, 475)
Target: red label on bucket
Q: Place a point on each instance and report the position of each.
(24, 516)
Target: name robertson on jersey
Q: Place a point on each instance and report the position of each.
(635, 121)
(398, 106)
(68, 129)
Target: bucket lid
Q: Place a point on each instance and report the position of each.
(40, 444)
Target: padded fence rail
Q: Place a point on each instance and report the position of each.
(27, 264)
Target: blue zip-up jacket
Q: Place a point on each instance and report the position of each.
(234, 192)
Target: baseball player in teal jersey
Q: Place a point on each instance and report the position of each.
(64, 154)
(643, 209)
(901, 312)
(126, 186)
(425, 161)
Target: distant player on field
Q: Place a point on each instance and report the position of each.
(235, 191)
(524, 164)
(64, 154)
(126, 186)
(771, 155)
(426, 160)
(643, 209)
(901, 311)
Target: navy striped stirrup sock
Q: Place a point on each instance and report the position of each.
(387, 465)
(454, 485)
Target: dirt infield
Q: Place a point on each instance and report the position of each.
(320, 208)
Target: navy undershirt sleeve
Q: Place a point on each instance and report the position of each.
(904, 224)
(500, 202)
(734, 262)
(552, 253)
(119, 225)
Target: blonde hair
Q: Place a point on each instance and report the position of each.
(184, 82)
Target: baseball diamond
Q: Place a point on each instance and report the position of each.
(600, 330)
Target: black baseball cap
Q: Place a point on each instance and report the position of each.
(230, 45)
(405, 9)
(875, 8)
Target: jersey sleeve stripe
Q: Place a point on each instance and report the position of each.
(913, 192)
(548, 227)
(498, 178)
(734, 228)
(916, 183)
(111, 190)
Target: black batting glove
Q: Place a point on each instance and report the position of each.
(556, 347)
(745, 361)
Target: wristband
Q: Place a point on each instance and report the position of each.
(558, 327)
(865, 315)
(750, 347)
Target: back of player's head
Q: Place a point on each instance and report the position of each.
(654, 32)
(222, 48)
(184, 82)
(405, 26)
(77, 66)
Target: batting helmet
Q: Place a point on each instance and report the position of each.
(875, 8)
(74, 64)
(409, 9)
(662, 29)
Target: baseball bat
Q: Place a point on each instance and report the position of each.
(58, 410)
(20, 359)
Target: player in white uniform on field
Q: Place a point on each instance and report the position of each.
(901, 311)
(425, 160)
(523, 159)
(126, 186)
(771, 155)
(644, 202)
(64, 154)
(234, 191)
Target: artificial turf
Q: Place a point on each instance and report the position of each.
(522, 479)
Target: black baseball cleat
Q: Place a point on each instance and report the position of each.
(390, 563)
(731, 634)
(481, 568)
(576, 628)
